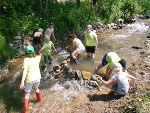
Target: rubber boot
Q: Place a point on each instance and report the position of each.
(25, 105)
(39, 96)
(76, 61)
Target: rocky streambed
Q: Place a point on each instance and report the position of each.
(72, 96)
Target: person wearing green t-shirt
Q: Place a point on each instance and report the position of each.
(46, 50)
(31, 76)
(91, 41)
(110, 58)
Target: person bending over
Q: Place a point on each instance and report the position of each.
(110, 58)
(77, 48)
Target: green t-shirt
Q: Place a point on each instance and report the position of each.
(90, 38)
(32, 66)
(47, 48)
(112, 58)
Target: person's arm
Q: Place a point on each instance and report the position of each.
(54, 48)
(96, 40)
(53, 35)
(108, 71)
(41, 49)
(25, 69)
(73, 45)
(106, 83)
(131, 79)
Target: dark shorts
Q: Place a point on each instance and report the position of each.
(104, 62)
(114, 87)
(90, 49)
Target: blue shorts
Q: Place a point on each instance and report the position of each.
(104, 62)
(28, 86)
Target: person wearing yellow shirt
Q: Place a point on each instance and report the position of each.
(46, 50)
(90, 41)
(110, 58)
(31, 76)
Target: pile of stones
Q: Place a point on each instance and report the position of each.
(64, 72)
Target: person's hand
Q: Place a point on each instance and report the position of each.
(21, 86)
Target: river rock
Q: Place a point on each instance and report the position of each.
(136, 47)
(86, 75)
(93, 83)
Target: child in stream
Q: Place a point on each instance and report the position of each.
(119, 81)
(31, 76)
(46, 50)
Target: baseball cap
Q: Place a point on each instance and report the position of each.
(40, 29)
(29, 50)
(89, 26)
(47, 37)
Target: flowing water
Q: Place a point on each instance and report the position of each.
(60, 97)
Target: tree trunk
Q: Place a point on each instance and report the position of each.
(78, 3)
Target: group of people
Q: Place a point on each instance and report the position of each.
(37, 46)
(78, 48)
(118, 78)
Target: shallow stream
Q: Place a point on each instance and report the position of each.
(61, 98)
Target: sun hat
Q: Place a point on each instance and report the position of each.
(117, 67)
(29, 50)
(40, 29)
(89, 26)
(47, 37)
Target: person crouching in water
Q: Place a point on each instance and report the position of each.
(119, 81)
(31, 76)
(78, 48)
(46, 50)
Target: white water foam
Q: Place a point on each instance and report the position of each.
(118, 36)
(137, 28)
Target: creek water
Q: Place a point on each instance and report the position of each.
(61, 97)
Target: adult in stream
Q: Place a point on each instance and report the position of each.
(78, 48)
(91, 41)
(110, 58)
(30, 77)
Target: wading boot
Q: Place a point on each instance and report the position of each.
(39, 96)
(76, 61)
(25, 105)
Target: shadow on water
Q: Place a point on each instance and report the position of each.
(103, 97)
(11, 97)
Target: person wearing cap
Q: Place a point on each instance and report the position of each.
(91, 41)
(39, 33)
(110, 58)
(37, 40)
(31, 76)
(46, 50)
(120, 81)
(50, 31)
(78, 48)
